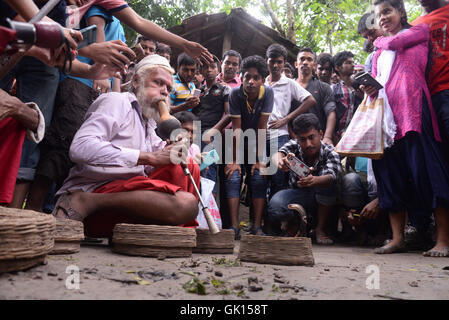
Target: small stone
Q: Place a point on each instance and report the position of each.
(255, 288)
(238, 286)
(218, 273)
(52, 274)
(37, 278)
(326, 269)
(252, 279)
(161, 256)
(413, 284)
(60, 279)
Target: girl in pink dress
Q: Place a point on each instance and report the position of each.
(412, 174)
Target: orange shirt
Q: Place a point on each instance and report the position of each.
(438, 22)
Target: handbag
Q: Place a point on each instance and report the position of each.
(364, 136)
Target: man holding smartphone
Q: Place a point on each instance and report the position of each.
(317, 191)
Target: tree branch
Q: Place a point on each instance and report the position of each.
(274, 18)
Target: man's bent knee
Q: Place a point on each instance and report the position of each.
(186, 208)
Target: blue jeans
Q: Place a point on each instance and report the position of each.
(354, 194)
(440, 103)
(257, 184)
(309, 198)
(279, 180)
(36, 82)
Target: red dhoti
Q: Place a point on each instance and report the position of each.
(12, 135)
(168, 179)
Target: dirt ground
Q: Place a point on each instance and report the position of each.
(339, 273)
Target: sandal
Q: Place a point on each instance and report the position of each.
(64, 203)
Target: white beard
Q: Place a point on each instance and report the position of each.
(146, 104)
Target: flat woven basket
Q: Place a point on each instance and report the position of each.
(222, 242)
(153, 241)
(68, 236)
(26, 237)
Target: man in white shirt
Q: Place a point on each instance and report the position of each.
(122, 168)
(285, 91)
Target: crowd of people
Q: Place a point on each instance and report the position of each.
(93, 151)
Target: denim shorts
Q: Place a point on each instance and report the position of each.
(257, 184)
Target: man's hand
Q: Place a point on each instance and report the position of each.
(371, 210)
(283, 163)
(101, 86)
(258, 166)
(198, 52)
(328, 140)
(138, 50)
(101, 71)
(276, 124)
(9, 105)
(162, 157)
(192, 102)
(352, 217)
(73, 36)
(109, 53)
(230, 168)
(51, 57)
(308, 181)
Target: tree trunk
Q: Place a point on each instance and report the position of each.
(274, 18)
(291, 32)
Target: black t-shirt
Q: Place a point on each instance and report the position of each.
(211, 107)
(325, 101)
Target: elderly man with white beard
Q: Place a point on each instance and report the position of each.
(123, 171)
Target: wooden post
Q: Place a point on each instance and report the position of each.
(227, 39)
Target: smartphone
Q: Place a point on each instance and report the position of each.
(210, 158)
(89, 36)
(197, 93)
(367, 80)
(298, 167)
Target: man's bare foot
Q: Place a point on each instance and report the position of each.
(64, 208)
(391, 247)
(437, 251)
(322, 238)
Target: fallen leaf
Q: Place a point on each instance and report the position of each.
(412, 270)
(141, 282)
(130, 271)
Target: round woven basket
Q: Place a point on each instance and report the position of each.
(68, 236)
(153, 241)
(222, 242)
(26, 237)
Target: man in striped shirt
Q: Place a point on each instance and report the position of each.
(182, 97)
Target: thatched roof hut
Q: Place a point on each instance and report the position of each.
(238, 31)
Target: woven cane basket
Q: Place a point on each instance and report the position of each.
(68, 236)
(153, 241)
(26, 237)
(222, 242)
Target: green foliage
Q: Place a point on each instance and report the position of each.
(323, 25)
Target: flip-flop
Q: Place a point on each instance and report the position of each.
(65, 204)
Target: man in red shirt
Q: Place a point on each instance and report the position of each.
(436, 16)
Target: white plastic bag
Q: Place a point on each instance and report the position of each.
(206, 193)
